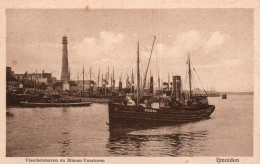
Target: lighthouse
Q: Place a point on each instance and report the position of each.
(65, 76)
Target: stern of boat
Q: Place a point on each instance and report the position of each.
(211, 109)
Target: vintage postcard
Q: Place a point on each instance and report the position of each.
(130, 82)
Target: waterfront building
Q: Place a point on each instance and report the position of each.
(89, 85)
(38, 77)
(11, 81)
(65, 86)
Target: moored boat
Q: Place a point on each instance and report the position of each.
(179, 107)
(101, 98)
(55, 104)
(224, 96)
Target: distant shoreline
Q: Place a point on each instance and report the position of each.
(239, 93)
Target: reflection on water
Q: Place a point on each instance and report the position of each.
(135, 141)
(64, 143)
(82, 131)
(65, 148)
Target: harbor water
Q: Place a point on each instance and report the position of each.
(84, 131)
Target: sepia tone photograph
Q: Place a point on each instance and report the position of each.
(130, 82)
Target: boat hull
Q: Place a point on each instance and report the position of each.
(140, 115)
(32, 104)
(101, 99)
(13, 99)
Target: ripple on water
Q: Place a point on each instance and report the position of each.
(83, 131)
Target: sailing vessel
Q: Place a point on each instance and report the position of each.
(103, 94)
(177, 108)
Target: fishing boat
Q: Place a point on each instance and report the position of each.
(224, 96)
(53, 100)
(55, 104)
(15, 99)
(102, 94)
(179, 107)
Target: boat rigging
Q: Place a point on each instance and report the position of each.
(145, 76)
(172, 109)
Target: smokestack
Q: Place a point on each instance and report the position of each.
(120, 85)
(151, 84)
(177, 87)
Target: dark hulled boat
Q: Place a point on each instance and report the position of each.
(101, 98)
(42, 100)
(224, 96)
(119, 113)
(14, 99)
(178, 108)
(55, 104)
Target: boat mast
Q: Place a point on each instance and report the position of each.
(189, 77)
(145, 75)
(138, 76)
(158, 80)
(127, 81)
(108, 76)
(90, 74)
(98, 76)
(35, 80)
(102, 84)
(113, 80)
(83, 80)
(132, 82)
(105, 85)
(150, 81)
(168, 86)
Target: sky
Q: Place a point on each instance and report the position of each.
(219, 42)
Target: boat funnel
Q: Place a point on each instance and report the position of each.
(177, 87)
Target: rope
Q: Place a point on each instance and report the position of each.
(86, 74)
(93, 76)
(128, 69)
(195, 82)
(199, 79)
(134, 59)
(75, 76)
(186, 77)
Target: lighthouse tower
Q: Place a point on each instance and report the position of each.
(65, 76)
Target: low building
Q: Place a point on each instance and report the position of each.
(38, 77)
(65, 86)
(11, 81)
(89, 85)
(58, 86)
(29, 84)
